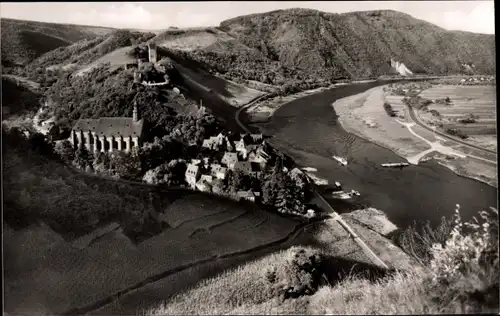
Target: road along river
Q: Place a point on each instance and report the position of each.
(307, 130)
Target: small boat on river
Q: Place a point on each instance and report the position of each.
(341, 195)
(344, 195)
(341, 160)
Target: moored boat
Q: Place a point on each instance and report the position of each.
(341, 160)
(341, 195)
(395, 164)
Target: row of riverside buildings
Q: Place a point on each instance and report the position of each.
(247, 155)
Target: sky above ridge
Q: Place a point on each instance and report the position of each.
(472, 16)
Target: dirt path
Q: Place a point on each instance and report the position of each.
(435, 146)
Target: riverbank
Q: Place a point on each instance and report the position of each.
(364, 116)
(263, 110)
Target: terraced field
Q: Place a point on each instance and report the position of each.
(46, 273)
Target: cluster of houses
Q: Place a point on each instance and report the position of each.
(246, 155)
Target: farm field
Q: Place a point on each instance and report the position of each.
(248, 284)
(60, 276)
(478, 101)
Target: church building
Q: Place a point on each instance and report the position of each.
(108, 134)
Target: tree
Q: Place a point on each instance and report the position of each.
(83, 158)
(237, 181)
(65, 150)
(102, 162)
(126, 165)
(176, 170)
(39, 144)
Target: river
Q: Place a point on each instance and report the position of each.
(308, 131)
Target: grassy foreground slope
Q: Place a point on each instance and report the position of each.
(458, 273)
(23, 41)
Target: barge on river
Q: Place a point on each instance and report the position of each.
(395, 165)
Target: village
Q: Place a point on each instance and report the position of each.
(246, 155)
(236, 166)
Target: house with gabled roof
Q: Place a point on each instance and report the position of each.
(256, 169)
(192, 174)
(218, 171)
(243, 166)
(208, 143)
(240, 145)
(259, 156)
(229, 159)
(247, 195)
(205, 183)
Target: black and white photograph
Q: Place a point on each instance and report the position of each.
(249, 158)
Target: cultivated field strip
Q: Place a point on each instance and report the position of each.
(78, 278)
(177, 213)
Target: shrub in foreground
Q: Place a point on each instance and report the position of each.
(290, 273)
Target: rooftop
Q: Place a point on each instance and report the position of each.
(124, 126)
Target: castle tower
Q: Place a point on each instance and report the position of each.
(137, 77)
(135, 113)
(152, 53)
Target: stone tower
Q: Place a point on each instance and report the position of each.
(135, 113)
(137, 77)
(152, 53)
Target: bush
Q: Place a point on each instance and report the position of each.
(435, 113)
(388, 109)
(445, 101)
(457, 132)
(417, 240)
(465, 270)
(65, 150)
(468, 120)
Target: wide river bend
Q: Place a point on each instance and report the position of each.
(307, 129)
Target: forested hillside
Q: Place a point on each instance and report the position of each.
(295, 45)
(23, 41)
(302, 43)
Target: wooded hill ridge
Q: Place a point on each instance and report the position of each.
(273, 47)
